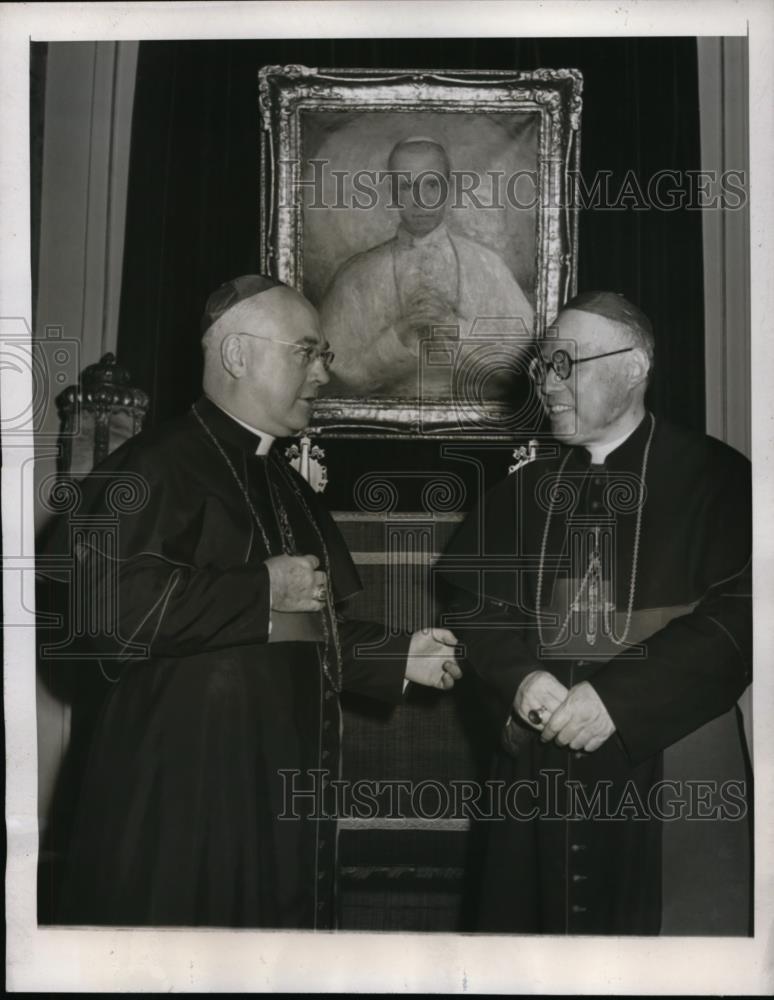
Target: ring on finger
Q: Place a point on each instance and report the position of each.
(535, 715)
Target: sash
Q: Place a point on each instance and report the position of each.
(296, 626)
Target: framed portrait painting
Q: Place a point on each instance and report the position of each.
(429, 217)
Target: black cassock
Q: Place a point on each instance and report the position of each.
(185, 815)
(576, 569)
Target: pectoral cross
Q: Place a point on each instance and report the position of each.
(595, 602)
(595, 582)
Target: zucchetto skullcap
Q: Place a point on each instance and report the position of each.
(611, 305)
(234, 291)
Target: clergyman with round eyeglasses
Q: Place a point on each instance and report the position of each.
(603, 594)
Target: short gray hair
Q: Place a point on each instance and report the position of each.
(614, 307)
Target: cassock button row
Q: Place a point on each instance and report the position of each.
(326, 724)
(326, 754)
(328, 694)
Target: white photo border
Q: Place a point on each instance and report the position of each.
(62, 959)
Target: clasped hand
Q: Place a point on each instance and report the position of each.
(424, 310)
(431, 660)
(296, 583)
(576, 717)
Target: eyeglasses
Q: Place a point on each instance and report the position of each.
(561, 364)
(305, 352)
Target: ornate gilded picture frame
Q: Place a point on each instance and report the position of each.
(430, 217)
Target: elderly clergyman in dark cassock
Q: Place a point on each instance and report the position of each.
(228, 579)
(603, 596)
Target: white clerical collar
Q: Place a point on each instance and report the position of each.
(599, 452)
(438, 235)
(266, 440)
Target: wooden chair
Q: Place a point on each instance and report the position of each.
(97, 415)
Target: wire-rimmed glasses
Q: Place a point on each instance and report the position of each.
(307, 353)
(561, 364)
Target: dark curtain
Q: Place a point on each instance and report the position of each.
(193, 203)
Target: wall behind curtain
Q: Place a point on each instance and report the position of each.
(81, 97)
(192, 217)
(723, 102)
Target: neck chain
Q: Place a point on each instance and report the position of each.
(592, 562)
(328, 617)
(238, 481)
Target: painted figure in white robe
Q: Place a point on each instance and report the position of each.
(425, 281)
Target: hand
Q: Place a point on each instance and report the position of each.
(428, 305)
(424, 310)
(540, 693)
(431, 659)
(581, 722)
(296, 583)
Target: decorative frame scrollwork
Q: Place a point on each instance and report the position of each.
(289, 93)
